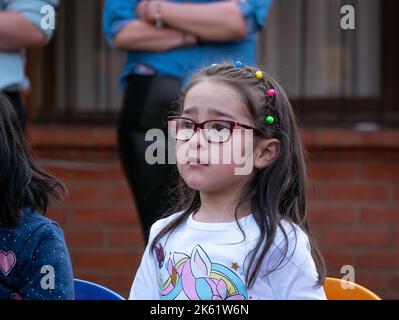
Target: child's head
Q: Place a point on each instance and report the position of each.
(275, 188)
(22, 183)
(247, 97)
(243, 116)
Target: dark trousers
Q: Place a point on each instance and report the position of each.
(16, 101)
(146, 104)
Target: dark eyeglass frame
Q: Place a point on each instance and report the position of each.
(201, 125)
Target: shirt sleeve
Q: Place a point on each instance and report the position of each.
(32, 10)
(145, 285)
(116, 14)
(255, 13)
(48, 270)
(296, 278)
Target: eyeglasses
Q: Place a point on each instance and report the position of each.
(215, 131)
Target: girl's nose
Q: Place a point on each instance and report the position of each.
(198, 140)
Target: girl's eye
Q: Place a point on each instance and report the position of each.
(185, 124)
(219, 126)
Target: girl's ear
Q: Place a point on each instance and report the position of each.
(266, 152)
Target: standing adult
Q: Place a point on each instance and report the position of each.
(20, 29)
(165, 43)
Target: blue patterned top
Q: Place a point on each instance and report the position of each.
(34, 260)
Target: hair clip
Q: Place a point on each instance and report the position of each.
(269, 120)
(271, 93)
(238, 64)
(259, 74)
(214, 64)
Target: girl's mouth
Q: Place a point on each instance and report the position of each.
(196, 162)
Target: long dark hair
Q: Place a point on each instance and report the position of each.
(277, 192)
(22, 182)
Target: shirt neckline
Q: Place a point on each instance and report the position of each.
(217, 226)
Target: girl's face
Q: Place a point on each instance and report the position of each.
(208, 166)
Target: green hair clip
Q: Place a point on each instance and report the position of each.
(269, 120)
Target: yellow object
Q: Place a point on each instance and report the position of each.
(335, 290)
(259, 74)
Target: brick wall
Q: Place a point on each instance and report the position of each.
(354, 203)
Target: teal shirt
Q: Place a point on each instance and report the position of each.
(12, 63)
(182, 62)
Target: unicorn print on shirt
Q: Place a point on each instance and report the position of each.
(196, 277)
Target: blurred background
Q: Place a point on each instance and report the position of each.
(344, 85)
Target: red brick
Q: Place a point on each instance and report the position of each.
(333, 171)
(336, 259)
(81, 136)
(372, 281)
(105, 173)
(83, 237)
(397, 236)
(121, 194)
(308, 137)
(355, 193)
(119, 283)
(337, 137)
(355, 236)
(133, 236)
(336, 154)
(105, 136)
(35, 135)
(105, 216)
(102, 259)
(88, 276)
(328, 214)
(60, 173)
(380, 215)
(311, 193)
(82, 195)
(390, 295)
(381, 138)
(377, 259)
(396, 282)
(59, 214)
(381, 171)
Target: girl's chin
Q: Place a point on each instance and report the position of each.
(200, 184)
(197, 185)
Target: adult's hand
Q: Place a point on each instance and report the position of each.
(215, 21)
(140, 35)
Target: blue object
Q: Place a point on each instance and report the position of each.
(86, 290)
(238, 64)
(30, 254)
(12, 62)
(182, 62)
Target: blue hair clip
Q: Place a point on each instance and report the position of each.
(238, 64)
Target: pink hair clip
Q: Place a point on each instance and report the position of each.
(271, 93)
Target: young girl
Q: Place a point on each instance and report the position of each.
(234, 236)
(34, 260)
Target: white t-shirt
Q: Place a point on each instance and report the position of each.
(206, 261)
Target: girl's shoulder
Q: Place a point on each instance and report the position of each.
(33, 219)
(158, 225)
(293, 240)
(291, 230)
(32, 227)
